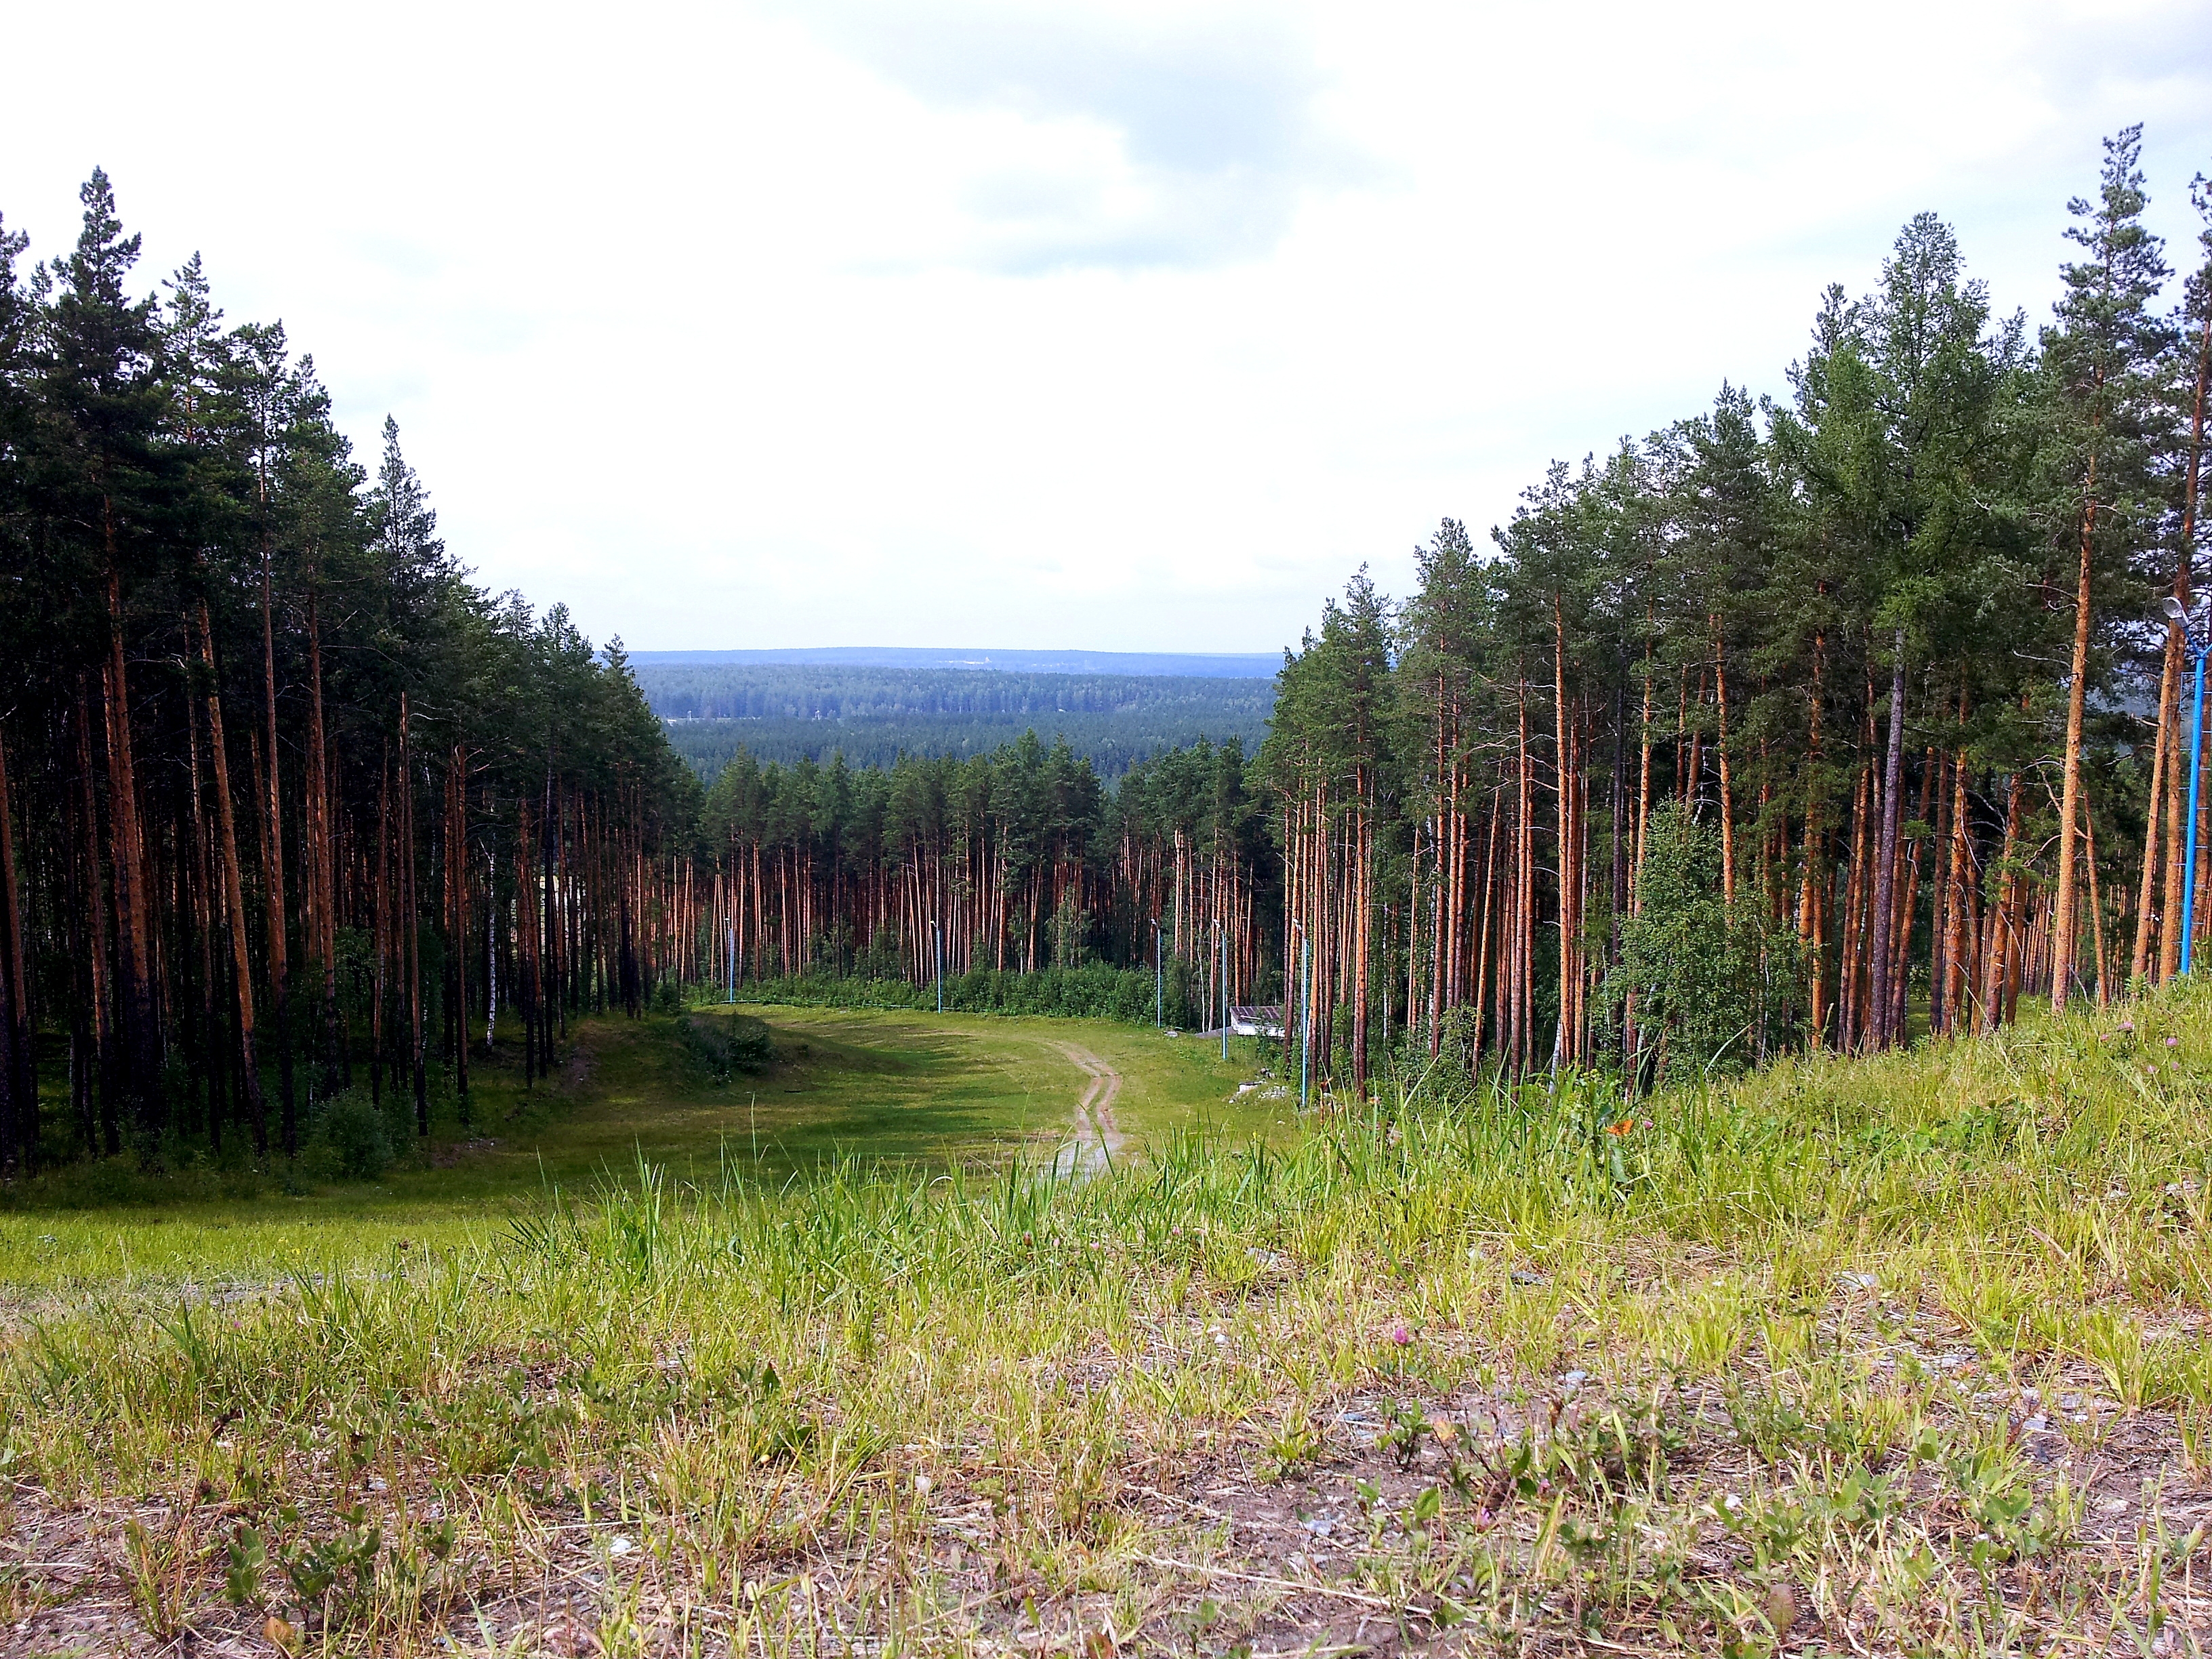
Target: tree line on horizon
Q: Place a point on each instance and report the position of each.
(787, 712)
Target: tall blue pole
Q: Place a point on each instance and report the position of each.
(937, 946)
(1159, 979)
(2196, 765)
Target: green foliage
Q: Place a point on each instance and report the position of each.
(352, 1137)
(725, 1041)
(1094, 992)
(1715, 987)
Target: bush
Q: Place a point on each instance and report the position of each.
(348, 1139)
(728, 1042)
(1715, 991)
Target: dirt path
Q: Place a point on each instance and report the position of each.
(1098, 1142)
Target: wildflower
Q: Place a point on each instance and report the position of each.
(1400, 1335)
(2127, 1025)
(2173, 1042)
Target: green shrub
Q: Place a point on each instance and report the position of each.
(1715, 986)
(728, 1042)
(348, 1139)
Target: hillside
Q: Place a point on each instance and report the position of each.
(1899, 1355)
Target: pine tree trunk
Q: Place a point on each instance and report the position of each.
(1721, 751)
(2064, 923)
(1811, 923)
(1901, 921)
(134, 995)
(102, 1090)
(272, 867)
(2163, 746)
(19, 1074)
(456, 879)
(1850, 1001)
(2096, 908)
(1882, 1025)
(2003, 958)
(411, 919)
(1563, 1040)
(2169, 955)
(226, 828)
(321, 928)
(1958, 910)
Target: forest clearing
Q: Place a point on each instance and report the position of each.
(886, 1088)
(1896, 1354)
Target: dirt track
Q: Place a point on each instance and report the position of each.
(1098, 1141)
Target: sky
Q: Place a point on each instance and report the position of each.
(969, 323)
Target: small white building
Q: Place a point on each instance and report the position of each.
(1264, 1021)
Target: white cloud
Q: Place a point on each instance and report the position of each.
(961, 323)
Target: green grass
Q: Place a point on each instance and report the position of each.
(1898, 1356)
(925, 1089)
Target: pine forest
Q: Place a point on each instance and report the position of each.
(1832, 717)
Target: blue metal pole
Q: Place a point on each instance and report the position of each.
(937, 945)
(1159, 979)
(2188, 868)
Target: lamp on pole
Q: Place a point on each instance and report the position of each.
(2198, 645)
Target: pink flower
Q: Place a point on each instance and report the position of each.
(2173, 1042)
(1400, 1335)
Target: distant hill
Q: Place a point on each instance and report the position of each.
(785, 711)
(1219, 665)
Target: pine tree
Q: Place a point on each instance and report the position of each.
(2103, 359)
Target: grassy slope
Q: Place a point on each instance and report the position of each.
(897, 1087)
(1898, 1356)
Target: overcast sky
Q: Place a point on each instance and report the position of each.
(925, 322)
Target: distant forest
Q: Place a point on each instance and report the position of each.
(1213, 665)
(787, 713)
